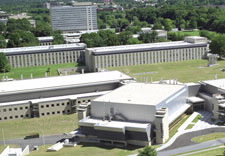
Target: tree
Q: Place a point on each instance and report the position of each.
(217, 45)
(168, 24)
(147, 151)
(58, 38)
(2, 42)
(149, 37)
(21, 38)
(2, 28)
(4, 63)
(124, 37)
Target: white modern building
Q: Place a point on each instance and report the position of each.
(127, 55)
(74, 18)
(45, 55)
(136, 113)
(55, 95)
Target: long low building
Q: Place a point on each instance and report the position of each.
(136, 113)
(104, 57)
(55, 95)
(45, 55)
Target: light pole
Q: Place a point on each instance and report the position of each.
(3, 136)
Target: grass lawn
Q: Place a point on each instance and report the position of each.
(214, 152)
(173, 130)
(208, 152)
(186, 71)
(208, 137)
(37, 71)
(190, 33)
(48, 125)
(190, 126)
(198, 117)
(85, 150)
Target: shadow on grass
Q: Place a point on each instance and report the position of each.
(108, 147)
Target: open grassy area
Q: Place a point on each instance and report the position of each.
(208, 137)
(48, 125)
(198, 117)
(190, 33)
(37, 71)
(186, 71)
(212, 151)
(174, 128)
(85, 150)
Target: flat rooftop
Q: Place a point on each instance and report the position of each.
(220, 83)
(144, 47)
(43, 49)
(62, 81)
(141, 93)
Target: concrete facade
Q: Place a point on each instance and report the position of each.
(45, 55)
(104, 57)
(55, 95)
(74, 18)
(149, 108)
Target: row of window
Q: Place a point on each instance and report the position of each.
(14, 117)
(44, 58)
(53, 105)
(53, 113)
(15, 109)
(148, 57)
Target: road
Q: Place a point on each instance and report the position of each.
(192, 147)
(184, 144)
(34, 142)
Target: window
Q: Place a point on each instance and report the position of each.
(21, 108)
(11, 117)
(47, 105)
(63, 112)
(57, 104)
(4, 110)
(43, 114)
(42, 106)
(15, 108)
(68, 111)
(10, 109)
(68, 103)
(5, 118)
(26, 107)
(21, 116)
(58, 112)
(53, 105)
(27, 115)
(78, 101)
(48, 113)
(63, 104)
(53, 112)
(16, 116)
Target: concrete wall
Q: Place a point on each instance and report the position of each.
(144, 57)
(45, 58)
(11, 112)
(44, 93)
(174, 103)
(123, 112)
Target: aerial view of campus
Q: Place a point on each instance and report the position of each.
(112, 77)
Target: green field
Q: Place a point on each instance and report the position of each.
(85, 150)
(208, 137)
(48, 125)
(37, 71)
(212, 151)
(190, 33)
(186, 71)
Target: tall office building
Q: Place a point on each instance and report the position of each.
(74, 18)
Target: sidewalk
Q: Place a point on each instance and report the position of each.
(181, 131)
